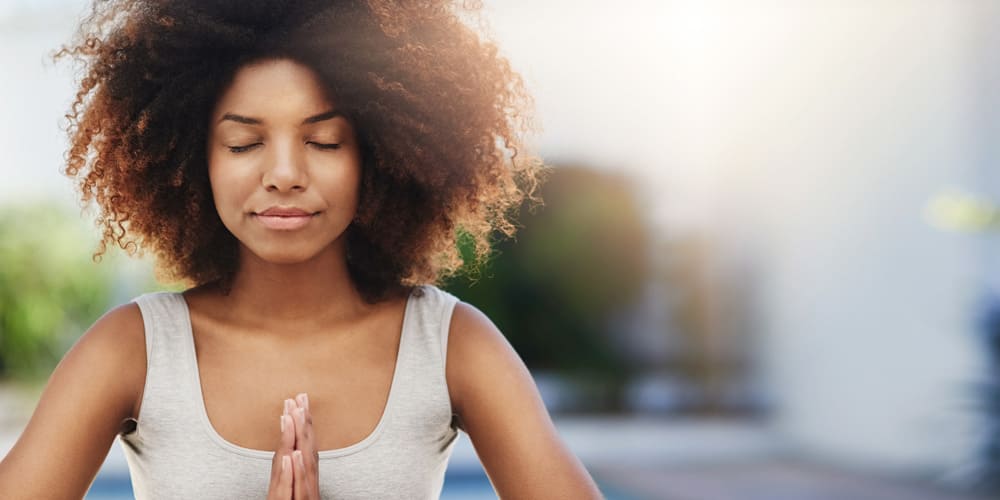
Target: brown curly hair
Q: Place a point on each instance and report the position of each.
(439, 113)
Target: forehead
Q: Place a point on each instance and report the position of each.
(274, 89)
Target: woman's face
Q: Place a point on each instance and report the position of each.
(284, 166)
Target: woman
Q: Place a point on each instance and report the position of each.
(307, 167)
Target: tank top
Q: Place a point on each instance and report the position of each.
(174, 452)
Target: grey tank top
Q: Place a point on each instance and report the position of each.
(174, 452)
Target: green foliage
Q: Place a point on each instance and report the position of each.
(576, 262)
(50, 288)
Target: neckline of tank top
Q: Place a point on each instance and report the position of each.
(225, 444)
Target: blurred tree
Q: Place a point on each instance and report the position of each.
(988, 469)
(954, 210)
(50, 289)
(574, 262)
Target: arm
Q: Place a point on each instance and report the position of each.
(498, 405)
(97, 384)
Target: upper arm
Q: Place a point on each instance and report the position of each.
(97, 384)
(498, 405)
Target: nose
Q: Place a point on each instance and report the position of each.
(285, 170)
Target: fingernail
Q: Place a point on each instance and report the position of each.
(288, 403)
(305, 400)
(282, 424)
(298, 458)
(285, 463)
(302, 415)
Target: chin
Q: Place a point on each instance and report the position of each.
(284, 258)
(285, 255)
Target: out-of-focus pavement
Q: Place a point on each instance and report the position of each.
(687, 459)
(699, 459)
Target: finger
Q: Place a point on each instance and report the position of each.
(290, 438)
(286, 443)
(300, 488)
(303, 431)
(282, 462)
(286, 479)
(304, 439)
(281, 479)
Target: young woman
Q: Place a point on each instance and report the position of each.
(306, 166)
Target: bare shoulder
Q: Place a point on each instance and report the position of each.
(476, 348)
(119, 339)
(96, 385)
(499, 407)
(122, 323)
(111, 352)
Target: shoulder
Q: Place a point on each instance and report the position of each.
(121, 326)
(94, 387)
(498, 405)
(478, 356)
(114, 349)
(121, 322)
(433, 293)
(480, 364)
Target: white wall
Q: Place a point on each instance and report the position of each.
(806, 139)
(34, 95)
(823, 129)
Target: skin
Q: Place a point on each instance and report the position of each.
(291, 299)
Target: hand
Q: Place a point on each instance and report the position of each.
(295, 467)
(282, 477)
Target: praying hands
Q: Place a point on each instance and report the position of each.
(295, 467)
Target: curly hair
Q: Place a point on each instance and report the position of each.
(440, 117)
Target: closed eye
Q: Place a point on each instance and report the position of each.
(243, 149)
(248, 147)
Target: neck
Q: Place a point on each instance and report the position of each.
(316, 291)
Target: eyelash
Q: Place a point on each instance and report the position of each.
(243, 149)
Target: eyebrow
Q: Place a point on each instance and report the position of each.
(326, 115)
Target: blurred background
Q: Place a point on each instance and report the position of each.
(767, 265)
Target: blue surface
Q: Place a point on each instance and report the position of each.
(464, 484)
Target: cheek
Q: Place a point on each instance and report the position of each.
(352, 188)
(341, 180)
(225, 184)
(355, 174)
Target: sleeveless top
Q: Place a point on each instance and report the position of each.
(174, 452)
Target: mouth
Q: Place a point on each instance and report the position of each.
(284, 222)
(284, 211)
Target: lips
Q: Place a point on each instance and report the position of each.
(285, 212)
(284, 218)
